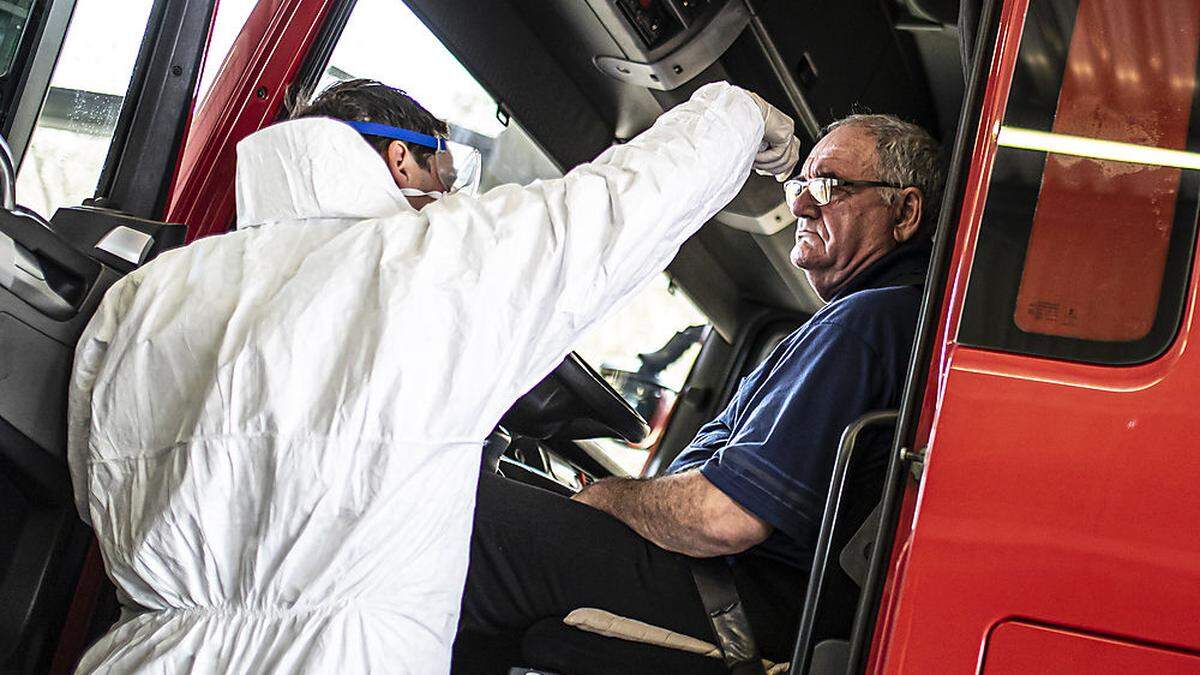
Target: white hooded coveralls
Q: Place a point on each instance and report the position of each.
(276, 432)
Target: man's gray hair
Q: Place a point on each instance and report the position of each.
(907, 155)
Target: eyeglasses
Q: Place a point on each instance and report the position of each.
(821, 187)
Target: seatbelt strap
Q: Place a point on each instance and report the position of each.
(714, 581)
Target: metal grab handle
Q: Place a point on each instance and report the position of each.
(8, 178)
(816, 577)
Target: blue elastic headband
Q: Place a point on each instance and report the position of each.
(376, 129)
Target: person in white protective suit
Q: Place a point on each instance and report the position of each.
(276, 433)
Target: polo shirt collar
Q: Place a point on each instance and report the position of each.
(904, 266)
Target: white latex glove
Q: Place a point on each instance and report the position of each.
(780, 149)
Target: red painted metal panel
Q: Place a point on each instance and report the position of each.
(246, 96)
(1018, 648)
(1057, 491)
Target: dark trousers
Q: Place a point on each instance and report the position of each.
(535, 556)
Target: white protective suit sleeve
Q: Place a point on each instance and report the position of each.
(597, 235)
(90, 354)
(577, 245)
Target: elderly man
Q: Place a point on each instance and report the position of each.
(751, 486)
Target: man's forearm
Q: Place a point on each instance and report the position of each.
(677, 513)
(640, 504)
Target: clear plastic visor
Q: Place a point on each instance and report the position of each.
(458, 167)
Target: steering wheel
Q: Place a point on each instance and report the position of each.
(574, 402)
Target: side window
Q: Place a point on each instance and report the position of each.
(1087, 237)
(14, 18)
(69, 146)
(227, 24)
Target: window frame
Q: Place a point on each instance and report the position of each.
(987, 321)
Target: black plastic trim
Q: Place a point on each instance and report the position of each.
(317, 58)
(145, 146)
(508, 58)
(13, 81)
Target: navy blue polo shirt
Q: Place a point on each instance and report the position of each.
(773, 447)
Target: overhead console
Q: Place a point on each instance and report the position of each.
(666, 43)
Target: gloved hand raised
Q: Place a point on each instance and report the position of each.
(780, 149)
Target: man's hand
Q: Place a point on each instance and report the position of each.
(683, 513)
(780, 149)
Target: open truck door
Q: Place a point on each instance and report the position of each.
(54, 270)
(1039, 511)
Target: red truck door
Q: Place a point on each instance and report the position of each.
(1055, 525)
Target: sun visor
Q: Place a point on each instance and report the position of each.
(666, 43)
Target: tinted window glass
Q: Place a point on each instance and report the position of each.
(366, 48)
(646, 350)
(1087, 236)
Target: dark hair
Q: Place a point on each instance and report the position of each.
(370, 101)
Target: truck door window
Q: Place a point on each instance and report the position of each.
(368, 47)
(230, 18)
(70, 141)
(1086, 242)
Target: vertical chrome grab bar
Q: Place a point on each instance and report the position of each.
(822, 555)
(8, 178)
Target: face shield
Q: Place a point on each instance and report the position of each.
(456, 165)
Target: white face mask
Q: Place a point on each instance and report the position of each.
(414, 192)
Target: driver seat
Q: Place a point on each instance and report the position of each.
(589, 633)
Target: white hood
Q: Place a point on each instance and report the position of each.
(312, 168)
